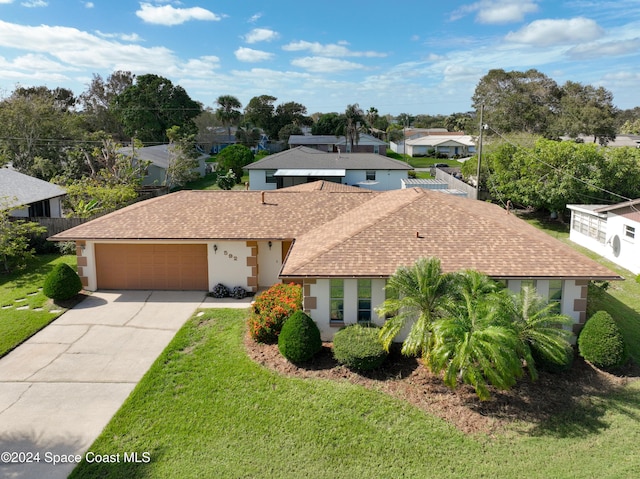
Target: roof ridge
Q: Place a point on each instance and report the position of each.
(361, 223)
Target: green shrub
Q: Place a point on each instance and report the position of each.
(299, 339)
(61, 283)
(271, 309)
(638, 278)
(358, 347)
(545, 364)
(601, 342)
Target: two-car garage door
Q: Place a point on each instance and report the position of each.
(152, 266)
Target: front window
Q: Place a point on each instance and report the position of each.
(555, 294)
(590, 225)
(371, 175)
(336, 300)
(364, 300)
(269, 176)
(629, 232)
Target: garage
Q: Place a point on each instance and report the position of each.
(152, 266)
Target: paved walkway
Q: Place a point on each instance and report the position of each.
(60, 388)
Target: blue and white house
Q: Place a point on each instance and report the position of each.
(304, 165)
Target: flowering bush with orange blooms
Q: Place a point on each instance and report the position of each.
(271, 309)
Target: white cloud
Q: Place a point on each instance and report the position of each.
(326, 65)
(89, 4)
(329, 50)
(497, 11)
(255, 18)
(605, 49)
(260, 35)
(169, 15)
(251, 56)
(544, 33)
(35, 3)
(127, 37)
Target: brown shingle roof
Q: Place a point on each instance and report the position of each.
(321, 185)
(205, 215)
(355, 233)
(377, 237)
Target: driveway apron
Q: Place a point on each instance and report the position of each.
(60, 388)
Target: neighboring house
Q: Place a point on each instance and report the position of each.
(620, 141)
(612, 231)
(333, 143)
(415, 133)
(160, 158)
(304, 165)
(341, 246)
(459, 145)
(37, 198)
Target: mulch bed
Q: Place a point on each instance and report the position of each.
(534, 403)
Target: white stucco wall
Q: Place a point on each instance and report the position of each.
(257, 181)
(320, 314)
(629, 254)
(385, 179)
(228, 264)
(269, 263)
(571, 292)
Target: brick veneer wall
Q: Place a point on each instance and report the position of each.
(82, 262)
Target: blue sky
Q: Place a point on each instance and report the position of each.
(400, 57)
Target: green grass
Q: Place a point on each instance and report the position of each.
(205, 409)
(208, 182)
(21, 289)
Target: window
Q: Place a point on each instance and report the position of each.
(629, 232)
(371, 175)
(336, 300)
(590, 225)
(40, 209)
(530, 283)
(364, 300)
(376, 149)
(555, 294)
(269, 178)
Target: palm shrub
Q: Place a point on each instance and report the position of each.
(61, 283)
(271, 309)
(475, 343)
(543, 338)
(299, 340)
(418, 295)
(358, 347)
(601, 342)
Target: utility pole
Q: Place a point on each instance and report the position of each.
(479, 152)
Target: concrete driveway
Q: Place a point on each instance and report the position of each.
(60, 388)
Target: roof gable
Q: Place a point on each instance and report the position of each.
(21, 189)
(303, 157)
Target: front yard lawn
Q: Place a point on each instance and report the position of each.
(24, 310)
(205, 409)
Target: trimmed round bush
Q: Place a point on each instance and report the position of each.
(62, 283)
(357, 346)
(601, 342)
(299, 339)
(545, 364)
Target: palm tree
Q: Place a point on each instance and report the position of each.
(540, 329)
(228, 111)
(475, 343)
(354, 117)
(418, 295)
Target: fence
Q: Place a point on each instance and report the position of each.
(456, 184)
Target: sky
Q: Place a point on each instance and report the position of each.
(412, 56)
